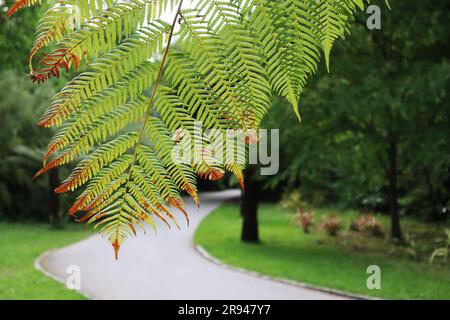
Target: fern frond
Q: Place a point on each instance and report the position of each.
(333, 17)
(19, 4)
(98, 35)
(52, 27)
(137, 99)
(202, 103)
(182, 175)
(89, 86)
(246, 75)
(64, 17)
(291, 57)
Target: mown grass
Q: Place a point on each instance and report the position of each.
(20, 245)
(318, 259)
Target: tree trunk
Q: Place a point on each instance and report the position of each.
(249, 207)
(54, 205)
(396, 232)
(434, 213)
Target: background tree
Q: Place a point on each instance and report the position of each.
(31, 157)
(21, 103)
(21, 197)
(251, 196)
(375, 131)
(16, 36)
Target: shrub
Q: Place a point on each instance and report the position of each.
(369, 224)
(304, 219)
(332, 224)
(293, 200)
(442, 251)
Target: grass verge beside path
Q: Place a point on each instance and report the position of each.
(20, 245)
(318, 259)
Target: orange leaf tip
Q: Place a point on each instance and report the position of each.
(116, 247)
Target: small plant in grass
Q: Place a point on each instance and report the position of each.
(293, 201)
(442, 251)
(410, 247)
(369, 224)
(304, 216)
(332, 224)
(304, 219)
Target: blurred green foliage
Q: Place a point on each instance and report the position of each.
(16, 36)
(21, 104)
(386, 86)
(20, 107)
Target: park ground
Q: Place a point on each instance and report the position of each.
(285, 251)
(20, 245)
(318, 259)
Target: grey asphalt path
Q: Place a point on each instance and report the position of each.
(166, 265)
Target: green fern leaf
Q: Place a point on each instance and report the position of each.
(137, 98)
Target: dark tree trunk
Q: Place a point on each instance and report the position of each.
(54, 205)
(434, 213)
(396, 232)
(249, 207)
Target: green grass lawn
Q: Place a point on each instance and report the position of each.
(318, 259)
(20, 245)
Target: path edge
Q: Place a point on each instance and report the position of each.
(38, 265)
(205, 254)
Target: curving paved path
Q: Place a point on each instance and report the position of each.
(165, 265)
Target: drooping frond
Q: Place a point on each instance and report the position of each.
(126, 58)
(19, 4)
(333, 17)
(64, 17)
(133, 117)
